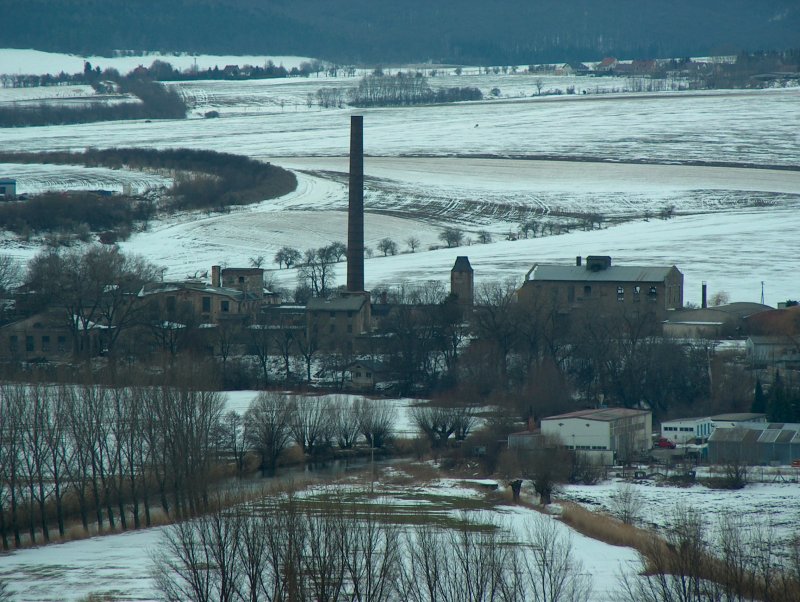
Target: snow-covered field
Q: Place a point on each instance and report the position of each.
(119, 565)
(774, 502)
(37, 62)
(36, 178)
(735, 225)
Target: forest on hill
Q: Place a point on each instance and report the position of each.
(387, 31)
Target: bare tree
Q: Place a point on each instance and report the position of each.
(307, 342)
(310, 423)
(677, 565)
(439, 423)
(91, 286)
(266, 426)
(197, 561)
(627, 504)
(452, 237)
(550, 572)
(372, 556)
(413, 243)
(345, 427)
(317, 270)
(376, 421)
(10, 273)
(387, 246)
(484, 237)
(287, 256)
(338, 250)
(547, 466)
(496, 322)
(232, 437)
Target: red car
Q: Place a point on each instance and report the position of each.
(664, 443)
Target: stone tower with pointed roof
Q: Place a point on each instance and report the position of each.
(462, 284)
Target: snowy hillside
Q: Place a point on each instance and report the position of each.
(482, 166)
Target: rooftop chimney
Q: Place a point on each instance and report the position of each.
(597, 263)
(704, 298)
(578, 260)
(355, 216)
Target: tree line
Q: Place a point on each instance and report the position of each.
(315, 424)
(154, 101)
(379, 90)
(291, 550)
(112, 457)
(202, 180)
(120, 457)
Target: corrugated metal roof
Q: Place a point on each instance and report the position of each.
(602, 414)
(769, 436)
(612, 274)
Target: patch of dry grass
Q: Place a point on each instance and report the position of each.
(605, 528)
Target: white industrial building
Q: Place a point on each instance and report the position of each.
(619, 430)
(687, 430)
(729, 421)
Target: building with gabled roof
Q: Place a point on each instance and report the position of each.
(755, 443)
(717, 321)
(174, 301)
(602, 289)
(624, 431)
(48, 336)
(338, 320)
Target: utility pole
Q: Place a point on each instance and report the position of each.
(762, 292)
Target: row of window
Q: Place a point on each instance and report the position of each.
(224, 306)
(588, 447)
(652, 293)
(30, 344)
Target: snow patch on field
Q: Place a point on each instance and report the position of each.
(36, 62)
(37, 178)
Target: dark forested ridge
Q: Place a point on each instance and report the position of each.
(375, 31)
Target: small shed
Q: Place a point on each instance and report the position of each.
(365, 374)
(8, 188)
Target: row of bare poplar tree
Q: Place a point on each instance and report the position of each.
(106, 454)
(342, 547)
(110, 456)
(299, 549)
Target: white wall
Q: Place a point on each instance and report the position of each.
(681, 431)
(579, 432)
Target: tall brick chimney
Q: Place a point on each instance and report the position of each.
(355, 216)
